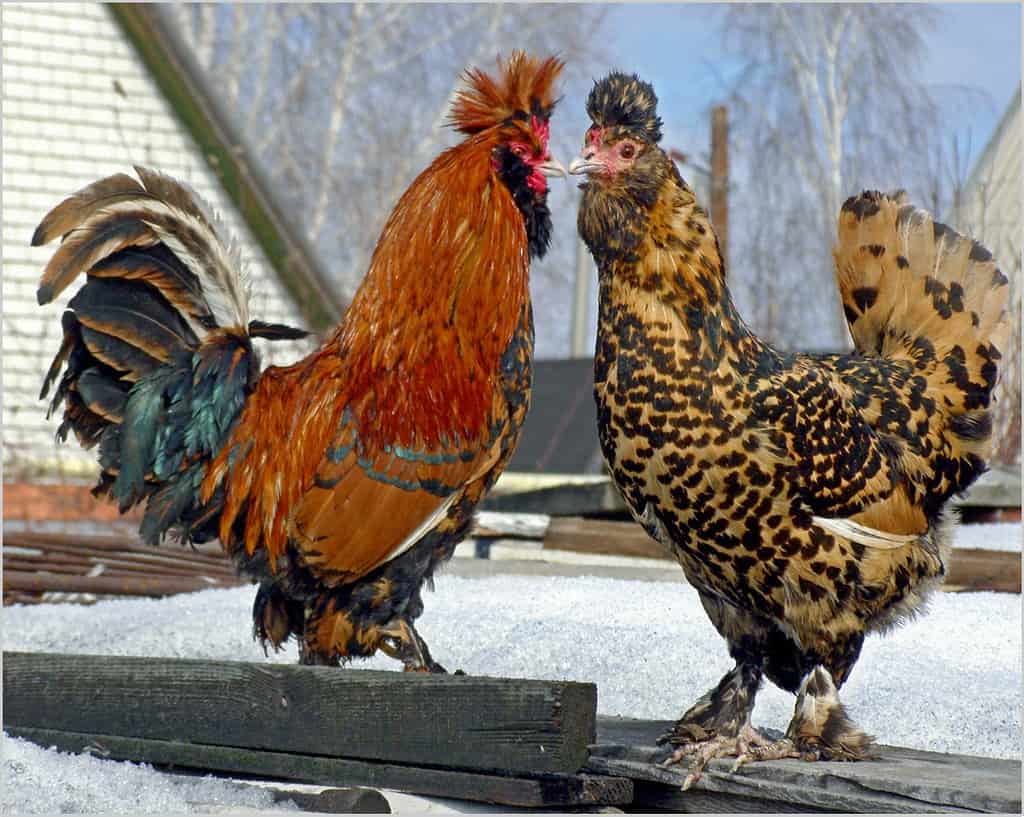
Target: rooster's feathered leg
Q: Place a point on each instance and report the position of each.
(403, 643)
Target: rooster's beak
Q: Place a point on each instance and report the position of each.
(552, 167)
(581, 165)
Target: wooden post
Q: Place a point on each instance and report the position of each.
(581, 302)
(720, 178)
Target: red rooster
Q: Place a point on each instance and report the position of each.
(343, 481)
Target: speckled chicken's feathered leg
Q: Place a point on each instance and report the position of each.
(820, 728)
(718, 724)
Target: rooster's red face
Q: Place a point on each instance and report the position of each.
(529, 147)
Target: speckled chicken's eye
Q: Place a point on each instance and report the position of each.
(627, 151)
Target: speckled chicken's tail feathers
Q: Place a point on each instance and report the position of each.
(915, 288)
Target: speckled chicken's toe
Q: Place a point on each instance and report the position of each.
(704, 751)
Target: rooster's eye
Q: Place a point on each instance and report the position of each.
(519, 151)
(627, 151)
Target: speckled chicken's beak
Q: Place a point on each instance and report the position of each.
(552, 167)
(583, 164)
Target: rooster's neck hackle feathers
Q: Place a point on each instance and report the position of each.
(523, 90)
(625, 101)
(448, 281)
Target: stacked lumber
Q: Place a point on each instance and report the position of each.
(51, 567)
(506, 741)
(589, 495)
(969, 569)
(512, 742)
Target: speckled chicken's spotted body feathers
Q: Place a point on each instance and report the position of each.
(803, 495)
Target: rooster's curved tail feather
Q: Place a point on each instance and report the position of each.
(157, 356)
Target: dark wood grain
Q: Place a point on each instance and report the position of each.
(505, 725)
(534, 792)
(900, 781)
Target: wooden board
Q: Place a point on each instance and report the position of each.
(998, 488)
(525, 792)
(900, 781)
(504, 725)
(969, 569)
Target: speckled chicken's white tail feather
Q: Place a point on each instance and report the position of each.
(862, 534)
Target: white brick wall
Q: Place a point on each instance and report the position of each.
(64, 126)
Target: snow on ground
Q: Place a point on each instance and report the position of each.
(949, 681)
(42, 781)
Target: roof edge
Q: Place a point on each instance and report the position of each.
(181, 80)
(994, 140)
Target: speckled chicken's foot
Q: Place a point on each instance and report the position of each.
(820, 729)
(718, 724)
(703, 752)
(403, 643)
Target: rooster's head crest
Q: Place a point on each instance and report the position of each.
(625, 101)
(521, 95)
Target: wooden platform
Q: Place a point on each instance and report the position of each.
(900, 781)
(575, 495)
(507, 741)
(969, 569)
(511, 742)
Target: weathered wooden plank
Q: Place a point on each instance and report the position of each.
(506, 725)
(997, 488)
(968, 569)
(81, 543)
(901, 780)
(540, 791)
(974, 569)
(40, 582)
(510, 525)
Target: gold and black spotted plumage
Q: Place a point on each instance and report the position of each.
(802, 494)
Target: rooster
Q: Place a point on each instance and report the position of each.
(803, 495)
(342, 482)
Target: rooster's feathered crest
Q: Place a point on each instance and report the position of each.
(624, 100)
(522, 90)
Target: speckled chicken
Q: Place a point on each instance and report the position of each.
(802, 494)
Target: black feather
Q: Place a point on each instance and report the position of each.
(275, 331)
(135, 313)
(102, 395)
(626, 101)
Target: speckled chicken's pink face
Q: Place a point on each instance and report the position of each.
(602, 157)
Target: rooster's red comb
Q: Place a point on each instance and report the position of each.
(523, 89)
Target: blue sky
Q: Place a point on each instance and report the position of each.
(677, 47)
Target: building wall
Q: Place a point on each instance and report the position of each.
(78, 105)
(991, 212)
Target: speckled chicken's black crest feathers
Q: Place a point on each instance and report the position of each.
(625, 100)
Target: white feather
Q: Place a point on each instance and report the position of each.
(420, 531)
(862, 534)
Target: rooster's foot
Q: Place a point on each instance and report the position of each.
(820, 729)
(402, 642)
(702, 752)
